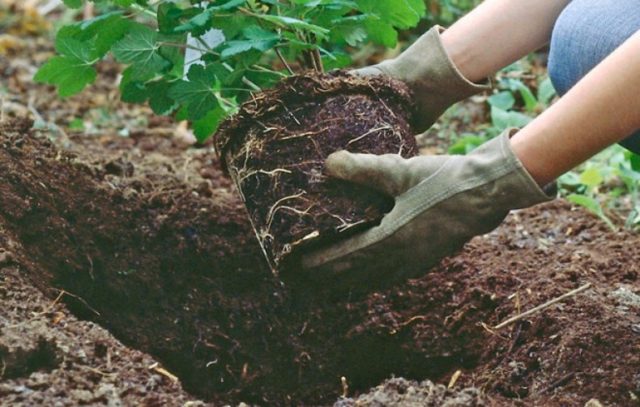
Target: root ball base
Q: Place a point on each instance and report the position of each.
(275, 149)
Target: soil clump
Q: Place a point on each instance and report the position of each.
(275, 147)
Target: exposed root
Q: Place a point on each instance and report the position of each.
(372, 131)
(275, 207)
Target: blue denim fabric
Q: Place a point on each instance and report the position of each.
(584, 34)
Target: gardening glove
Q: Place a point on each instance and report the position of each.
(432, 76)
(440, 203)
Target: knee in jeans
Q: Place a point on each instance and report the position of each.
(585, 33)
(562, 65)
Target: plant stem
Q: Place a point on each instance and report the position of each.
(246, 81)
(317, 60)
(260, 68)
(284, 61)
(229, 67)
(309, 60)
(144, 10)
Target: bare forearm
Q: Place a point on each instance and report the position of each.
(499, 32)
(600, 110)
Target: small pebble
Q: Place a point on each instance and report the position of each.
(635, 328)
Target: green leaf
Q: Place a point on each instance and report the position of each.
(133, 92)
(381, 32)
(159, 100)
(202, 22)
(141, 49)
(197, 25)
(503, 100)
(198, 93)
(73, 3)
(546, 91)
(401, 14)
(208, 124)
(101, 32)
(290, 22)
(593, 206)
(110, 32)
(570, 179)
(155, 92)
(530, 101)
(231, 26)
(503, 119)
(591, 177)
(634, 160)
(76, 124)
(358, 28)
(256, 38)
(69, 74)
(73, 48)
(336, 61)
(586, 202)
(169, 16)
(466, 144)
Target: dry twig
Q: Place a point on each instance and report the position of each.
(543, 306)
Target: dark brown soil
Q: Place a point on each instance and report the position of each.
(172, 271)
(48, 357)
(275, 148)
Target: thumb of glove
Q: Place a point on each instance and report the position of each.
(388, 173)
(367, 71)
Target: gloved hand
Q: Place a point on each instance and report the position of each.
(440, 203)
(432, 76)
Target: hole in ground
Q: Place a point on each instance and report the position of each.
(205, 304)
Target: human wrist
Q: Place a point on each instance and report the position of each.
(462, 57)
(533, 159)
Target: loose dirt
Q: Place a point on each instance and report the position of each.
(163, 257)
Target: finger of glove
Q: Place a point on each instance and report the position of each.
(384, 173)
(367, 71)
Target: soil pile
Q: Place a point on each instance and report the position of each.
(154, 246)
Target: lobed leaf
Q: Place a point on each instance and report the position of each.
(141, 49)
(198, 93)
(69, 74)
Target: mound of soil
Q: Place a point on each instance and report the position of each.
(150, 242)
(275, 148)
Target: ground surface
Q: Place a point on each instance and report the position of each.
(144, 237)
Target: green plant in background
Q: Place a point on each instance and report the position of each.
(262, 41)
(446, 12)
(514, 104)
(608, 184)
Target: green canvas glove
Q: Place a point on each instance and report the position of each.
(432, 76)
(440, 203)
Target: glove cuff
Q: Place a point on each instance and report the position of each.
(434, 78)
(520, 187)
